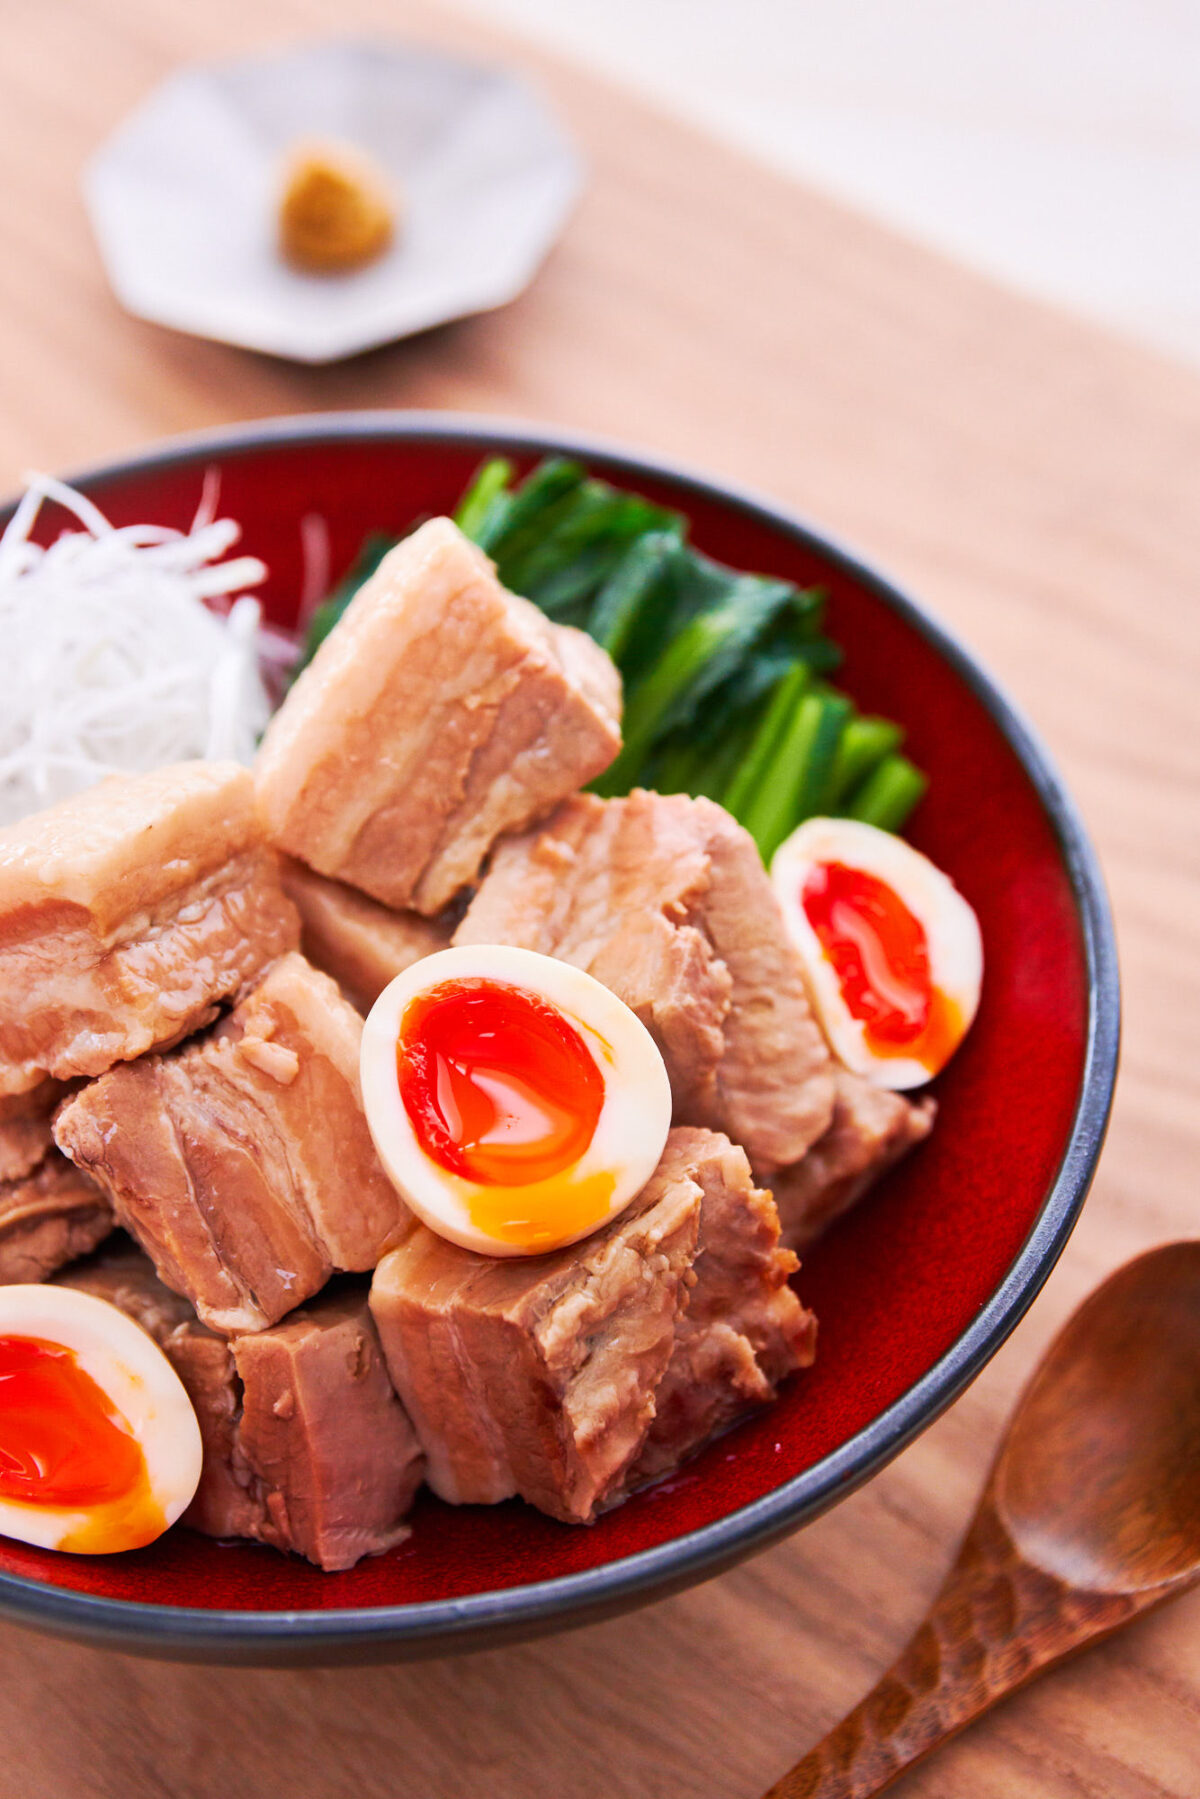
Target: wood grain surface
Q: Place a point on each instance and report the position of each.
(1036, 483)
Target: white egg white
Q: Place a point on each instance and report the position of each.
(630, 1132)
(951, 930)
(143, 1387)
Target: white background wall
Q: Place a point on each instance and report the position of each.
(1054, 143)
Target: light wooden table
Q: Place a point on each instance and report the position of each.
(1037, 483)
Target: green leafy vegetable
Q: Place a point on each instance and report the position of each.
(581, 549)
(643, 571)
(517, 517)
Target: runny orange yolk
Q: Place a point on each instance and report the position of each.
(880, 954)
(499, 1086)
(63, 1444)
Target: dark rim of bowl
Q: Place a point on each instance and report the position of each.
(439, 1626)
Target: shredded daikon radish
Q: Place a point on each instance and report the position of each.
(113, 660)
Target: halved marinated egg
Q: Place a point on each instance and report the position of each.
(892, 953)
(516, 1103)
(99, 1446)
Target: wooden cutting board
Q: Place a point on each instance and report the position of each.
(1037, 483)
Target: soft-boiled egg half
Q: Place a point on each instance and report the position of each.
(516, 1103)
(99, 1446)
(892, 953)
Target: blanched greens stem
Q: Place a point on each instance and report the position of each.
(489, 482)
(865, 741)
(752, 772)
(798, 771)
(888, 794)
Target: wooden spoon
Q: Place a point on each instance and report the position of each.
(1090, 1517)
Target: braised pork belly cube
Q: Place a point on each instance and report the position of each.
(26, 1137)
(440, 712)
(743, 1329)
(872, 1128)
(128, 914)
(364, 945)
(537, 1375)
(665, 900)
(242, 1162)
(573, 1377)
(48, 1217)
(306, 1446)
(330, 1442)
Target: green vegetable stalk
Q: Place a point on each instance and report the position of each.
(888, 794)
(797, 774)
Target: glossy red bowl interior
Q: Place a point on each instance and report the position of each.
(914, 1290)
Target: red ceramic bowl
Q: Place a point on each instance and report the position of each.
(915, 1290)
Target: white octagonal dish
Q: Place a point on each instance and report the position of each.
(183, 197)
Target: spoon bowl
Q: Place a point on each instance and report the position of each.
(1090, 1517)
(1098, 1481)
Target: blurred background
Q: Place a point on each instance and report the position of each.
(1053, 143)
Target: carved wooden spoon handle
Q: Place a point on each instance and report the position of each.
(995, 1624)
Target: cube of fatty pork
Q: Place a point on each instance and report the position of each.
(358, 941)
(127, 915)
(871, 1129)
(242, 1162)
(537, 1375)
(542, 1376)
(442, 711)
(49, 1217)
(306, 1446)
(665, 900)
